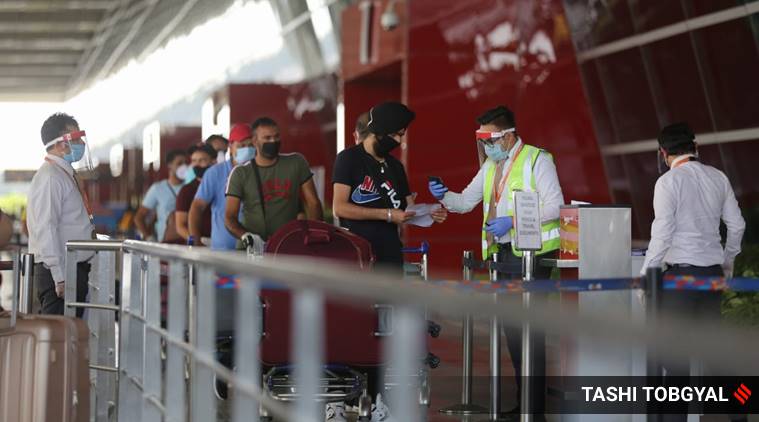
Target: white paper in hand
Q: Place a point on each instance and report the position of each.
(423, 217)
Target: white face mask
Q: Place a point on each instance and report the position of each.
(181, 171)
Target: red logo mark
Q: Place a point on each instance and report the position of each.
(742, 394)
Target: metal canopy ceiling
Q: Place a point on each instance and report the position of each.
(52, 49)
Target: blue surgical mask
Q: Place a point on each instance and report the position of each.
(245, 154)
(189, 176)
(75, 154)
(495, 152)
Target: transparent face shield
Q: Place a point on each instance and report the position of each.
(77, 151)
(488, 138)
(660, 164)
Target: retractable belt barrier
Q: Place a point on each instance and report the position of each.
(688, 282)
(519, 286)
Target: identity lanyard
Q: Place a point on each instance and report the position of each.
(82, 193)
(679, 161)
(502, 185)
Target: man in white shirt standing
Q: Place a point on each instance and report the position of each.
(689, 201)
(58, 211)
(509, 164)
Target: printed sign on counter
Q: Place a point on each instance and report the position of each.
(527, 221)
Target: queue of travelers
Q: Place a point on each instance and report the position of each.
(226, 192)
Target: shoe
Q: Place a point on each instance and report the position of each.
(380, 411)
(335, 412)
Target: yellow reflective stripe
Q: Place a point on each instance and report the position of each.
(521, 177)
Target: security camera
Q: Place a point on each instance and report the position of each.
(389, 19)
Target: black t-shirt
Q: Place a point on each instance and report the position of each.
(374, 185)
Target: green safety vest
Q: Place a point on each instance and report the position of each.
(520, 178)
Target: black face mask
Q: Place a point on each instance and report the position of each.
(385, 145)
(270, 149)
(199, 171)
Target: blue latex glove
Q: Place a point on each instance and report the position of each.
(499, 226)
(437, 190)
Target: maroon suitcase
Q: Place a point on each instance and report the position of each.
(350, 338)
(319, 239)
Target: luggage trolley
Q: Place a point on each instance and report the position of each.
(354, 334)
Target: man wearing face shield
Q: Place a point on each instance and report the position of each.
(213, 186)
(509, 164)
(58, 210)
(271, 189)
(161, 200)
(201, 158)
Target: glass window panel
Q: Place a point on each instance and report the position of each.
(731, 56)
(598, 107)
(677, 83)
(740, 166)
(629, 96)
(703, 7)
(642, 173)
(596, 23)
(653, 14)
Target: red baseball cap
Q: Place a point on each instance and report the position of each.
(240, 132)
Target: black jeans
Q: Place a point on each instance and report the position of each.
(49, 300)
(514, 333)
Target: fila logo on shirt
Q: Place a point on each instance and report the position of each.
(392, 194)
(367, 192)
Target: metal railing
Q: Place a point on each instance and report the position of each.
(101, 315)
(150, 389)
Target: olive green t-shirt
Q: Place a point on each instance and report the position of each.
(281, 191)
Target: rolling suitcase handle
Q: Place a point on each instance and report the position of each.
(21, 265)
(316, 237)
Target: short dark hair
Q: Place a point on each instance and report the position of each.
(362, 126)
(681, 149)
(500, 117)
(208, 149)
(174, 153)
(55, 126)
(214, 137)
(263, 121)
(677, 139)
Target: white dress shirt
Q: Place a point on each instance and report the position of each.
(55, 215)
(546, 183)
(689, 201)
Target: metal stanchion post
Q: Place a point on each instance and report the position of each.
(495, 356)
(494, 413)
(528, 262)
(467, 339)
(653, 296)
(15, 289)
(25, 292)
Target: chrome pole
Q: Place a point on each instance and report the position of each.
(528, 260)
(25, 292)
(467, 338)
(495, 355)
